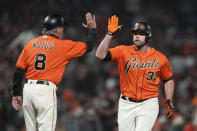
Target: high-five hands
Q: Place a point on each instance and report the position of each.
(113, 25)
(90, 21)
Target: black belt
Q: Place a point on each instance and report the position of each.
(39, 82)
(132, 100)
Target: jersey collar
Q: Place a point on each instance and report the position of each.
(152, 50)
(50, 35)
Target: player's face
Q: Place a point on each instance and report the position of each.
(139, 39)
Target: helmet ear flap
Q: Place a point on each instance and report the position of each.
(148, 38)
(149, 33)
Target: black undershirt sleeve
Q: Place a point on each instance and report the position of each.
(164, 81)
(108, 56)
(90, 39)
(17, 81)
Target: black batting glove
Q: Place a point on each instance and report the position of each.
(171, 110)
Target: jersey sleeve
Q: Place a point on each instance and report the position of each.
(166, 70)
(115, 54)
(76, 49)
(21, 63)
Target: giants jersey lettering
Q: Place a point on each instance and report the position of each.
(140, 73)
(46, 57)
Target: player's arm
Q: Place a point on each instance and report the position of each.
(17, 81)
(102, 52)
(91, 37)
(167, 77)
(17, 88)
(169, 89)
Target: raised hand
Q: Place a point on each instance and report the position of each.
(90, 21)
(113, 25)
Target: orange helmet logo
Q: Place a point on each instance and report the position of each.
(139, 25)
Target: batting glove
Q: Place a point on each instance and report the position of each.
(113, 25)
(171, 110)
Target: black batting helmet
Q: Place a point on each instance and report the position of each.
(143, 27)
(52, 21)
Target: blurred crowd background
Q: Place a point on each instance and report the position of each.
(89, 92)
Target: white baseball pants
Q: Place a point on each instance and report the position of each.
(39, 106)
(137, 116)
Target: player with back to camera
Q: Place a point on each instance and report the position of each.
(141, 68)
(44, 59)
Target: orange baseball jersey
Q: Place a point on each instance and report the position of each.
(46, 57)
(140, 73)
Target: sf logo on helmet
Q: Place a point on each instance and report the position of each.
(139, 25)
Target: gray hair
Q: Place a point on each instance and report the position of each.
(48, 32)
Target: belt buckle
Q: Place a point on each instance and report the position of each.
(42, 82)
(45, 82)
(131, 100)
(127, 98)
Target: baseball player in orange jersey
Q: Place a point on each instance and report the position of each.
(141, 68)
(44, 59)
